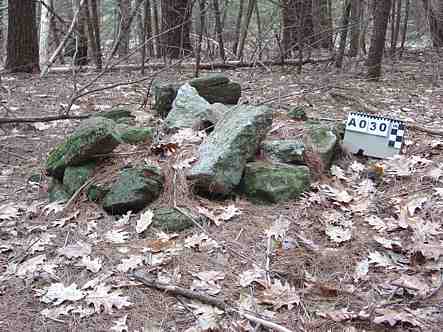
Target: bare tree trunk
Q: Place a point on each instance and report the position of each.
(124, 9)
(434, 10)
(245, 28)
(45, 28)
(405, 28)
(238, 26)
(219, 30)
(95, 27)
(202, 7)
(176, 28)
(259, 31)
(344, 33)
(378, 38)
(354, 45)
(156, 28)
(395, 24)
(22, 48)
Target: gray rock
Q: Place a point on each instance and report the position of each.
(134, 135)
(215, 88)
(273, 183)
(188, 109)
(284, 150)
(134, 189)
(116, 114)
(93, 136)
(171, 220)
(224, 153)
(324, 142)
(57, 192)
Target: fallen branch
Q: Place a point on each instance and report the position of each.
(205, 299)
(43, 119)
(205, 66)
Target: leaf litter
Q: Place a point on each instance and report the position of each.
(386, 237)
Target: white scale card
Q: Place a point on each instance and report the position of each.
(374, 136)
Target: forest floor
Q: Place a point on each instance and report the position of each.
(353, 255)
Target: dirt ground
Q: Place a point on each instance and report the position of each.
(322, 271)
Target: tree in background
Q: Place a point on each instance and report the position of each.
(375, 56)
(176, 28)
(22, 47)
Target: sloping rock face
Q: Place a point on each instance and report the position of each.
(134, 135)
(134, 190)
(214, 88)
(324, 142)
(223, 155)
(94, 136)
(284, 150)
(273, 183)
(188, 109)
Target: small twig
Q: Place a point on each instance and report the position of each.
(79, 190)
(43, 119)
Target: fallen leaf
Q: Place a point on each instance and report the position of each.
(8, 211)
(361, 269)
(78, 249)
(279, 295)
(392, 317)
(376, 223)
(379, 259)
(120, 324)
(338, 315)
(200, 242)
(144, 222)
(416, 203)
(208, 317)
(258, 275)
(56, 312)
(208, 282)
(93, 265)
(30, 266)
(57, 293)
(61, 222)
(102, 297)
(54, 207)
(117, 236)
(339, 173)
(130, 263)
(278, 228)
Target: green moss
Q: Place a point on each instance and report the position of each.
(75, 176)
(116, 114)
(171, 220)
(96, 192)
(95, 136)
(134, 189)
(272, 183)
(134, 135)
(298, 113)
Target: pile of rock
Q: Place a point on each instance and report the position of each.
(237, 157)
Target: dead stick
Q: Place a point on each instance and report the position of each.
(179, 291)
(176, 290)
(43, 119)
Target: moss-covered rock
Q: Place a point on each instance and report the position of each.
(324, 142)
(214, 88)
(75, 176)
(134, 189)
(116, 114)
(134, 135)
(297, 113)
(273, 183)
(93, 136)
(223, 155)
(57, 192)
(96, 192)
(35, 178)
(284, 150)
(171, 220)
